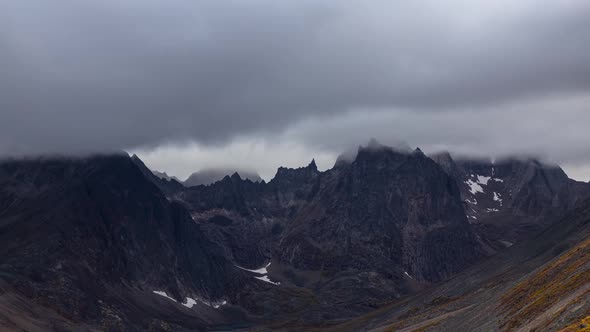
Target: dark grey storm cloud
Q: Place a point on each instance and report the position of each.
(110, 74)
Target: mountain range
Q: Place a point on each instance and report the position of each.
(212, 175)
(386, 240)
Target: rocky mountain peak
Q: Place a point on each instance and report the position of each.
(445, 161)
(211, 175)
(103, 233)
(374, 144)
(296, 174)
(371, 229)
(312, 165)
(511, 198)
(378, 157)
(165, 176)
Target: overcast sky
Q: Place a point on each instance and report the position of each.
(190, 84)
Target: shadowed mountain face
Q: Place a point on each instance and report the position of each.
(511, 199)
(541, 284)
(385, 211)
(165, 176)
(91, 236)
(84, 243)
(360, 233)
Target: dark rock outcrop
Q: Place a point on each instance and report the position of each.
(90, 239)
(84, 237)
(511, 199)
(361, 233)
(540, 284)
(387, 212)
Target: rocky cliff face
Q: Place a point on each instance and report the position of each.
(512, 199)
(376, 226)
(92, 239)
(394, 213)
(249, 217)
(363, 232)
(540, 284)
(83, 237)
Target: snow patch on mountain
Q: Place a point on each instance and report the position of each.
(266, 279)
(215, 305)
(263, 271)
(189, 302)
(497, 198)
(505, 243)
(474, 187)
(483, 179)
(161, 293)
(220, 304)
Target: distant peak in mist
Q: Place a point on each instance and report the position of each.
(349, 155)
(165, 176)
(211, 175)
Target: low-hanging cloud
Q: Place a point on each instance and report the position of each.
(83, 76)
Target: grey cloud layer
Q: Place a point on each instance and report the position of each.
(554, 129)
(101, 75)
